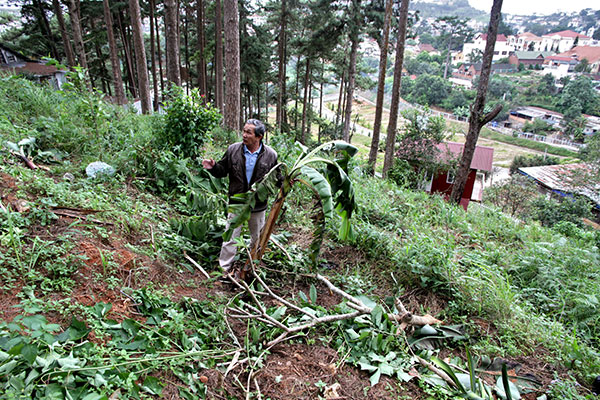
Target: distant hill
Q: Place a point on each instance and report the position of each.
(438, 8)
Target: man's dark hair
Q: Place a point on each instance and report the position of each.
(259, 127)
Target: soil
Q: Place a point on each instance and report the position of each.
(290, 370)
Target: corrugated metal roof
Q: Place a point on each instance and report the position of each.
(482, 158)
(561, 178)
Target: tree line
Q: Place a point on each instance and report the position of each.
(241, 56)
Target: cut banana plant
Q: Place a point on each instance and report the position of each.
(330, 184)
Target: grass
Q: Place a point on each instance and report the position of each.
(536, 287)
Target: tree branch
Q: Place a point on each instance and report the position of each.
(491, 115)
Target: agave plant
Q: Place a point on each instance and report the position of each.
(330, 184)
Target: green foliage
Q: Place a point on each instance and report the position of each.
(550, 212)
(40, 360)
(513, 197)
(73, 123)
(188, 122)
(531, 160)
(538, 127)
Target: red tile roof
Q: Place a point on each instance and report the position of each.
(591, 53)
(499, 38)
(568, 34)
(32, 68)
(482, 158)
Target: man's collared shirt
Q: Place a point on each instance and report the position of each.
(250, 161)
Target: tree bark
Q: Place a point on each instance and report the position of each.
(45, 28)
(297, 96)
(201, 66)
(159, 54)
(231, 116)
(63, 33)
(172, 52)
(393, 122)
(140, 53)
(219, 57)
(338, 110)
(305, 102)
(478, 118)
(74, 7)
(153, 57)
(281, 71)
(128, 59)
(380, 85)
(114, 58)
(350, 88)
(186, 52)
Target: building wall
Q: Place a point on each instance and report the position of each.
(439, 185)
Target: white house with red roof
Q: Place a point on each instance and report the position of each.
(525, 41)
(589, 53)
(562, 41)
(501, 49)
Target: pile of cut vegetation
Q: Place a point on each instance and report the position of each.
(110, 284)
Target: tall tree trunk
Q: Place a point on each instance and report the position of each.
(159, 54)
(186, 52)
(74, 15)
(447, 64)
(478, 118)
(172, 43)
(128, 60)
(338, 110)
(380, 85)
(305, 105)
(297, 96)
(103, 71)
(281, 71)
(231, 116)
(390, 142)
(310, 108)
(352, 70)
(45, 28)
(114, 58)
(63, 33)
(321, 99)
(153, 57)
(140, 53)
(219, 98)
(201, 66)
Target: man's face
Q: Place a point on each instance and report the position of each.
(250, 140)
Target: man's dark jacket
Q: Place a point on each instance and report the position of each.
(233, 164)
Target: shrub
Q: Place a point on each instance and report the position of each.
(535, 160)
(188, 122)
(550, 212)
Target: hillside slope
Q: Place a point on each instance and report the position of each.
(99, 300)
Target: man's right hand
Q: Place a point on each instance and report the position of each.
(208, 163)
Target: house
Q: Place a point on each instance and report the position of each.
(470, 71)
(564, 181)
(528, 57)
(501, 47)
(562, 41)
(525, 41)
(518, 117)
(559, 66)
(12, 62)
(443, 182)
(428, 48)
(589, 53)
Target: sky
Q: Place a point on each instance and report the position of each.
(541, 7)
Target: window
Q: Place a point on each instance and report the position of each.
(496, 53)
(450, 177)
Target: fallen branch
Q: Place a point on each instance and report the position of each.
(436, 371)
(190, 259)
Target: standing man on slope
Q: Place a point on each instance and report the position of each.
(245, 162)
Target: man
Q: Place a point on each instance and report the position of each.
(245, 162)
